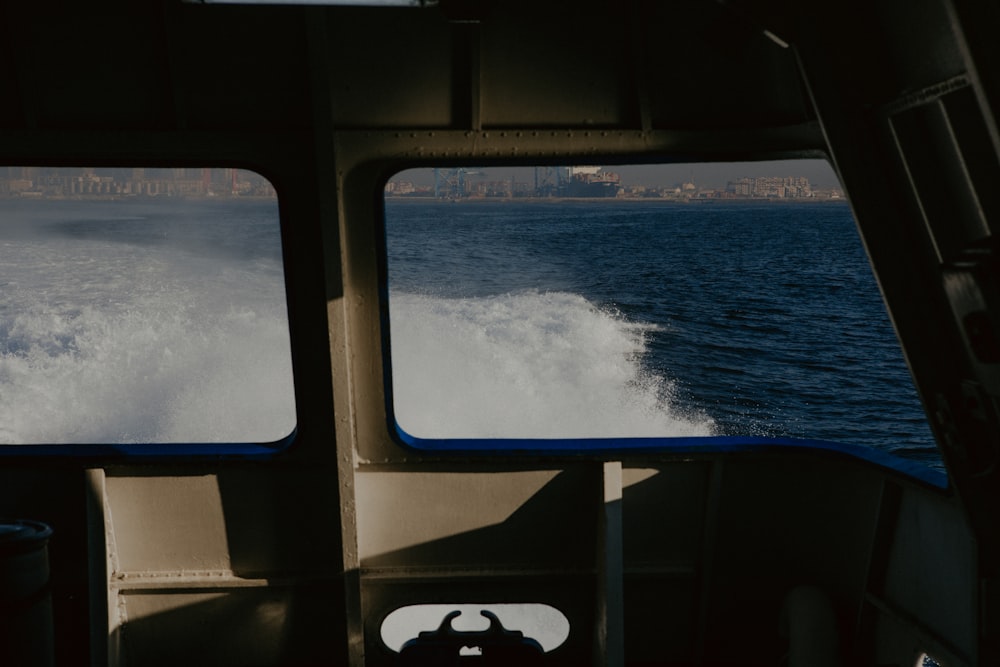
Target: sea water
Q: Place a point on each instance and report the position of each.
(142, 321)
(635, 319)
(164, 321)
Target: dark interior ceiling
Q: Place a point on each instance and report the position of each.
(164, 65)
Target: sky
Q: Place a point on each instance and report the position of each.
(705, 174)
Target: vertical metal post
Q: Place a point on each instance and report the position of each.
(609, 637)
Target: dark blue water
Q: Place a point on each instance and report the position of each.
(764, 318)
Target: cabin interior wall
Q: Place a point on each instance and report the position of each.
(898, 111)
(297, 559)
(222, 566)
(56, 497)
(711, 549)
(195, 560)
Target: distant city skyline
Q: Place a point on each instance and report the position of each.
(60, 182)
(704, 174)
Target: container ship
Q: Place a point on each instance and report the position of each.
(591, 182)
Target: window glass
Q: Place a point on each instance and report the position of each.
(632, 302)
(141, 306)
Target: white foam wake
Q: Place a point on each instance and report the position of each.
(526, 365)
(155, 375)
(112, 344)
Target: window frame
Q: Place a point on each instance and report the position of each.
(189, 450)
(609, 448)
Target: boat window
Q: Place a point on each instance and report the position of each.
(142, 305)
(632, 306)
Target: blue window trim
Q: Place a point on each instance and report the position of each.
(623, 447)
(150, 451)
(686, 446)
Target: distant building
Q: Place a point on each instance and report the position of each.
(791, 187)
(399, 188)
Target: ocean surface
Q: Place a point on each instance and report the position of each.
(580, 319)
(142, 321)
(163, 321)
